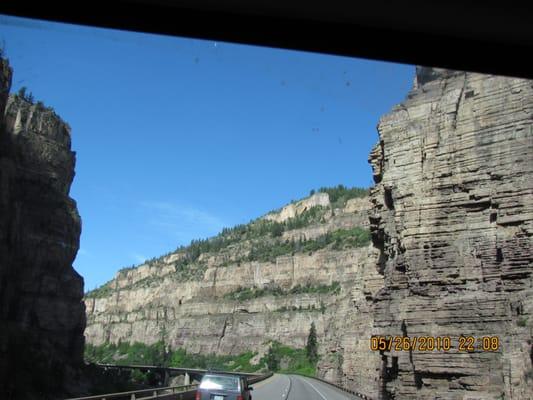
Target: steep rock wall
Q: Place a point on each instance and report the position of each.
(153, 302)
(42, 317)
(347, 359)
(453, 221)
(194, 315)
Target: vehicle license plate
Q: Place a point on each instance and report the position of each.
(218, 397)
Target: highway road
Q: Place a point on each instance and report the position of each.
(293, 387)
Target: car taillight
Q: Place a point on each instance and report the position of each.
(198, 395)
(239, 397)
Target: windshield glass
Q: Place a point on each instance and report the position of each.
(220, 382)
(238, 209)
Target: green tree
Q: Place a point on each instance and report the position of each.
(272, 359)
(22, 92)
(277, 229)
(312, 346)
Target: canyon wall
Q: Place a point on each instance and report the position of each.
(42, 317)
(452, 218)
(196, 306)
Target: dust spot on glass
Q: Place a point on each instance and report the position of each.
(283, 83)
(315, 130)
(322, 108)
(348, 83)
(340, 140)
(196, 60)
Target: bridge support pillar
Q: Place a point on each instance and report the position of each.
(187, 379)
(166, 377)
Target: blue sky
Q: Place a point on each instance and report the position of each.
(177, 138)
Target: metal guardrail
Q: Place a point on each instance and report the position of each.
(144, 394)
(259, 378)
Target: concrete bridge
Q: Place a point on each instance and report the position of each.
(165, 373)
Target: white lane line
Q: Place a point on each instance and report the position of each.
(285, 394)
(316, 390)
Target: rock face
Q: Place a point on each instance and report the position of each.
(452, 219)
(42, 317)
(196, 312)
(346, 359)
(292, 210)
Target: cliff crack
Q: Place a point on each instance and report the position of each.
(458, 104)
(223, 333)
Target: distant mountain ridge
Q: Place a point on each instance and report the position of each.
(295, 215)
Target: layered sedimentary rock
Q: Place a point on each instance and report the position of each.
(42, 317)
(196, 312)
(452, 219)
(346, 359)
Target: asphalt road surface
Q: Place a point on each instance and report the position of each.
(293, 387)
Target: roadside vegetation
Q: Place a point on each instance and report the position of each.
(280, 358)
(125, 353)
(159, 354)
(285, 359)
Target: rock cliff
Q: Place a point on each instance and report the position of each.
(452, 219)
(42, 317)
(265, 281)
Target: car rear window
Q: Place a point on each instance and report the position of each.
(220, 382)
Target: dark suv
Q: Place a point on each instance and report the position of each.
(216, 386)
